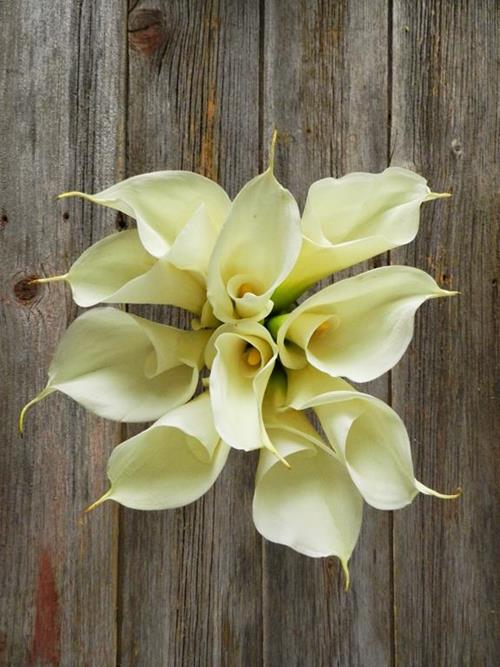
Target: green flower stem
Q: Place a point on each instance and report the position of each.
(275, 323)
(285, 294)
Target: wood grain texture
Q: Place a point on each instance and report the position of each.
(61, 123)
(443, 124)
(191, 578)
(326, 92)
(93, 91)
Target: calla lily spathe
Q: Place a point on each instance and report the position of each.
(359, 327)
(238, 267)
(170, 464)
(241, 358)
(350, 219)
(124, 367)
(257, 248)
(368, 436)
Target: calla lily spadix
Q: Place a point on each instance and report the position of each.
(266, 363)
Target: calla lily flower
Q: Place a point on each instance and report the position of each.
(163, 203)
(313, 507)
(267, 363)
(368, 436)
(172, 463)
(118, 269)
(124, 367)
(359, 327)
(347, 220)
(163, 261)
(255, 251)
(241, 358)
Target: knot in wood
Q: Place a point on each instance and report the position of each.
(146, 31)
(25, 290)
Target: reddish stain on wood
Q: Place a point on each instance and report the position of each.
(46, 646)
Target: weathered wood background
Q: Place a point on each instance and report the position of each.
(94, 91)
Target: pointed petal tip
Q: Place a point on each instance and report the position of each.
(445, 293)
(438, 195)
(272, 149)
(450, 496)
(22, 414)
(347, 577)
(279, 457)
(73, 193)
(50, 279)
(443, 496)
(98, 502)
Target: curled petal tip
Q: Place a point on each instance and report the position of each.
(347, 577)
(29, 404)
(98, 502)
(444, 496)
(279, 457)
(73, 193)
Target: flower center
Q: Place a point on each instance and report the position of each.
(245, 288)
(252, 357)
(323, 328)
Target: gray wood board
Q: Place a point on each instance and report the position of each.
(194, 104)
(61, 124)
(326, 91)
(445, 88)
(349, 85)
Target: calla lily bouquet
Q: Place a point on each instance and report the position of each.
(239, 267)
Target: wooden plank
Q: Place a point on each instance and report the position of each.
(326, 92)
(446, 553)
(61, 114)
(190, 579)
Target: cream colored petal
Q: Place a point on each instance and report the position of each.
(124, 367)
(119, 270)
(256, 249)
(359, 327)
(312, 507)
(172, 463)
(350, 219)
(308, 383)
(242, 358)
(372, 441)
(194, 244)
(163, 202)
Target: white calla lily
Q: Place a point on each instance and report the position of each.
(347, 220)
(118, 269)
(170, 464)
(255, 251)
(370, 438)
(308, 383)
(359, 327)
(163, 202)
(241, 357)
(124, 367)
(238, 267)
(312, 507)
